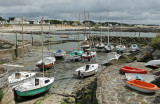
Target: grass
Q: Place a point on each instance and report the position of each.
(1, 94)
(155, 43)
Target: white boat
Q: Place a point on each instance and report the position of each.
(88, 55)
(35, 86)
(120, 48)
(47, 61)
(134, 48)
(100, 45)
(155, 63)
(20, 77)
(59, 53)
(87, 70)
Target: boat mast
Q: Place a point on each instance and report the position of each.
(89, 27)
(49, 38)
(85, 25)
(121, 30)
(23, 42)
(101, 29)
(78, 32)
(108, 28)
(42, 46)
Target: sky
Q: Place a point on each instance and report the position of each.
(131, 11)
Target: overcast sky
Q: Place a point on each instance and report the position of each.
(132, 11)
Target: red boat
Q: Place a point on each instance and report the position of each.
(127, 69)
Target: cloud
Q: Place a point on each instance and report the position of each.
(132, 11)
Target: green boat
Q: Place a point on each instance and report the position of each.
(76, 53)
(35, 86)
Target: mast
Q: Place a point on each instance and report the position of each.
(42, 46)
(101, 29)
(23, 42)
(84, 25)
(108, 28)
(78, 33)
(121, 30)
(89, 26)
(49, 38)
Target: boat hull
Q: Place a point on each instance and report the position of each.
(141, 88)
(35, 91)
(127, 69)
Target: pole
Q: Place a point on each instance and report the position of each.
(32, 38)
(121, 30)
(16, 46)
(84, 24)
(23, 42)
(78, 32)
(101, 29)
(108, 27)
(42, 46)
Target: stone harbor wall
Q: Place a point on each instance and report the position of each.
(8, 97)
(8, 55)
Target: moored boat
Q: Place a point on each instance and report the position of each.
(59, 53)
(87, 70)
(134, 48)
(47, 61)
(120, 48)
(155, 63)
(35, 86)
(20, 77)
(127, 69)
(88, 55)
(142, 86)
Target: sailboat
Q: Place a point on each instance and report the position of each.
(20, 77)
(100, 45)
(108, 47)
(86, 70)
(120, 48)
(35, 86)
(78, 53)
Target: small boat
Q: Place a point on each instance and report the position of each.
(120, 48)
(100, 45)
(87, 70)
(47, 61)
(142, 86)
(35, 86)
(59, 53)
(88, 55)
(109, 47)
(76, 55)
(85, 44)
(127, 69)
(20, 77)
(134, 48)
(155, 63)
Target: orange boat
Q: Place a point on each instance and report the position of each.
(142, 86)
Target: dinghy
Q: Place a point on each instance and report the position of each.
(155, 63)
(100, 45)
(59, 54)
(127, 69)
(134, 48)
(47, 61)
(20, 77)
(35, 86)
(76, 55)
(142, 86)
(87, 70)
(108, 47)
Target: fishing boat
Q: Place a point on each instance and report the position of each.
(20, 77)
(127, 69)
(47, 61)
(59, 54)
(35, 86)
(142, 86)
(154, 63)
(87, 70)
(134, 48)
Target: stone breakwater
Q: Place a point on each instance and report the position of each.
(111, 89)
(8, 97)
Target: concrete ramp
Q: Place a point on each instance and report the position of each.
(145, 77)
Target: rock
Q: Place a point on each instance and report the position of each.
(156, 54)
